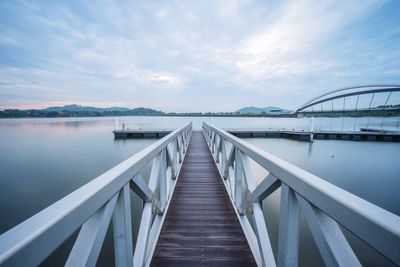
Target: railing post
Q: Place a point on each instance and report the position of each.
(238, 182)
(87, 247)
(332, 244)
(162, 182)
(170, 159)
(260, 228)
(223, 157)
(209, 133)
(174, 157)
(288, 240)
(122, 222)
(187, 137)
(209, 137)
(147, 215)
(213, 142)
(142, 238)
(217, 147)
(179, 148)
(229, 161)
(183, 143)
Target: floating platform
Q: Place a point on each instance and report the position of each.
(248, 133)
(370, 135)
(378, 130)
(384, 136)
(141, 133)
(358, 136)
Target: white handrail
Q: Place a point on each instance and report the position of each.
(324, 205)
(92, 206)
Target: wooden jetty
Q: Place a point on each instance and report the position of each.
(358, 136)
(363, 135)
(201, 227)
(256, 133)
(378, 130)
(385, 136)
(141, 133)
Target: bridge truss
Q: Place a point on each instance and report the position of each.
(363, 98)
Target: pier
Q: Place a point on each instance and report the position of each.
(201, 227)
(141, 133)
(201, 207)
(372, 135)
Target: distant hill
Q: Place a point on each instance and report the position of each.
(78, 111)
(263, 110)
(82, 110)
(75, 107)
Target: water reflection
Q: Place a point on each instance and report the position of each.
(310, 147)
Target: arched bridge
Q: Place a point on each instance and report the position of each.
(362, 98)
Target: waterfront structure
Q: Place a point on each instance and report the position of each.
(180, 162)
(316, 104)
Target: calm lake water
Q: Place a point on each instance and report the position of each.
(43, 160)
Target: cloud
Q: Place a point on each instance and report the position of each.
(282, 47)
(193, 56)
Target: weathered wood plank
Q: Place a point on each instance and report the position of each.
(201, 227)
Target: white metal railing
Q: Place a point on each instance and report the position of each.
(324, 206)
(91, 207)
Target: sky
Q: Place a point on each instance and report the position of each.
(193, 55)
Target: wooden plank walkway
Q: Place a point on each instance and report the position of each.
(201, 227)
